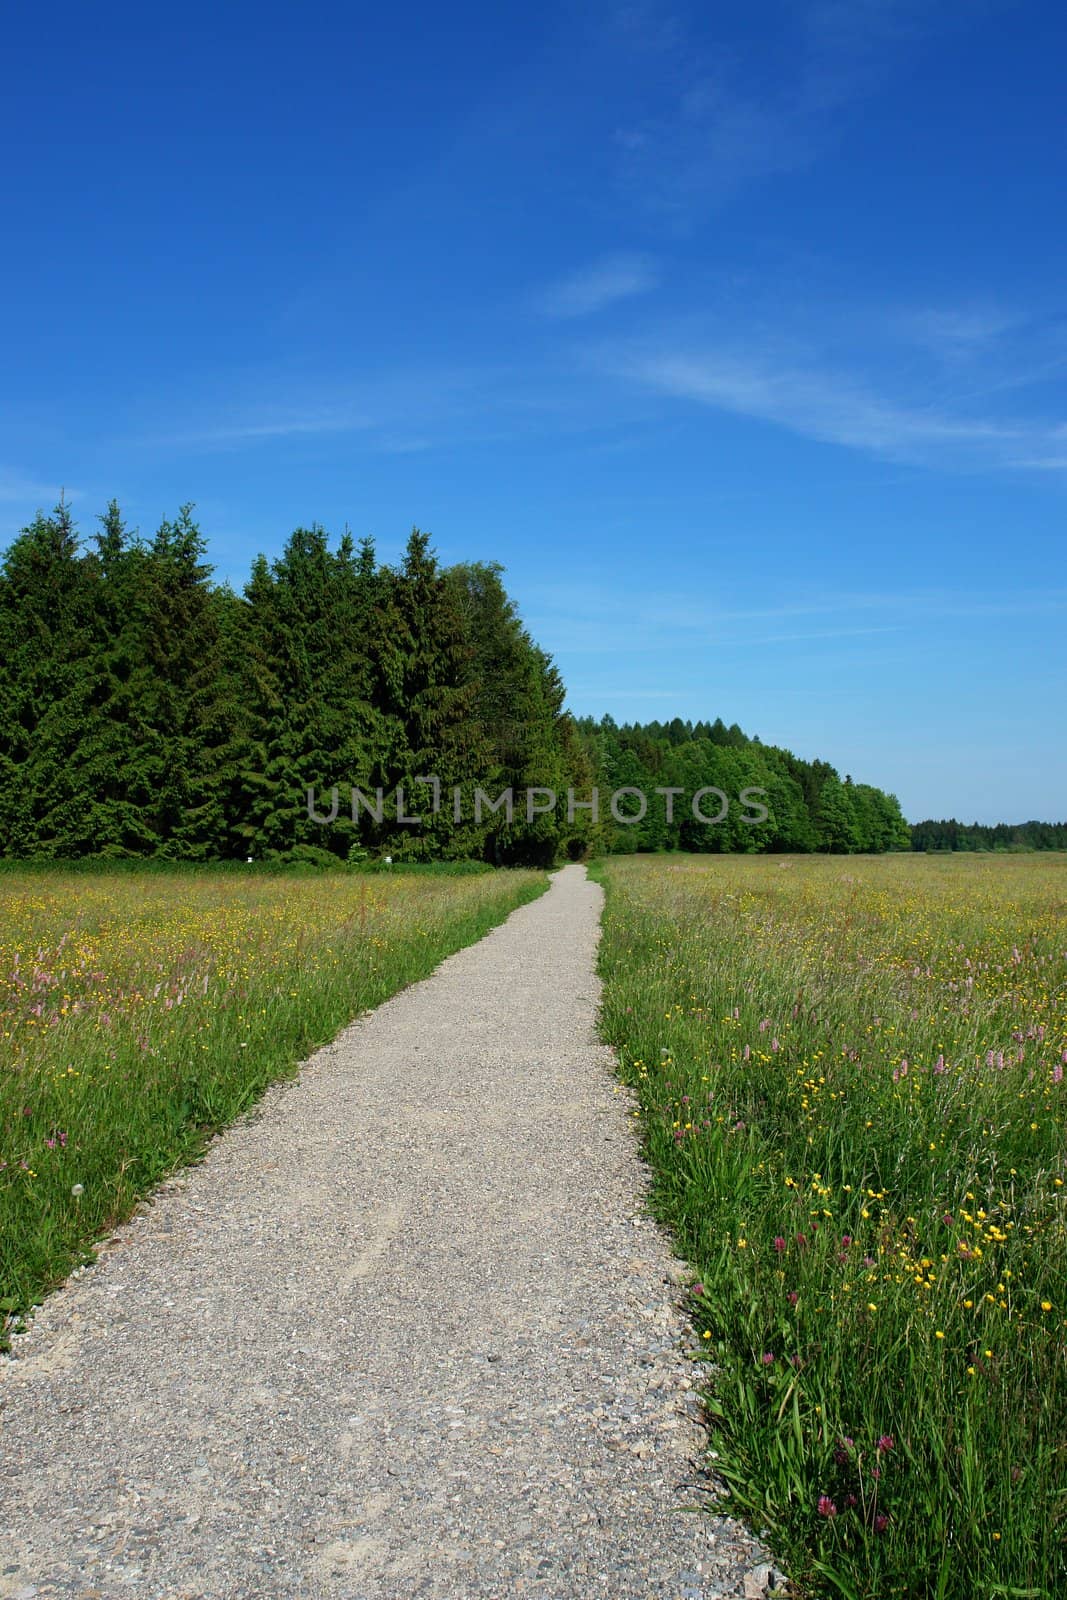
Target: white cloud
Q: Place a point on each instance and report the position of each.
(835, 408)
(16, 487)
(955, 331)
(601, 284)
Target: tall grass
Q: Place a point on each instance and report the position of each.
(141, 1012)
(851, 1078)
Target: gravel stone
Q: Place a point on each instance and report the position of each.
(407, 1331)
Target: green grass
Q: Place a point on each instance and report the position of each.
(851, 1081)
(141, 1012)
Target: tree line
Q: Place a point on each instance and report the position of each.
(953, 835)
(148, 711)
(808, 805)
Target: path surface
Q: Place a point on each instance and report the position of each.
(406, 1332)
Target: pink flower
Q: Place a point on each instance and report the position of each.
(885, 1443)
(792, 1297)
(767, 1358)
(881, 1522)
(826, 1506)
(779, 1244)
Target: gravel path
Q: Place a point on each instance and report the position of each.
(405, 1332)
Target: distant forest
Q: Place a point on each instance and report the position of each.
(147, 711)
(953, 835)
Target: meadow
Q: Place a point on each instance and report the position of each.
(141, 1011)
(850, 1074)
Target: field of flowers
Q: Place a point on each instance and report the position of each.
(851, 1080)
(141, 1011)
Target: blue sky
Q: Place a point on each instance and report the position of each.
(737, 333)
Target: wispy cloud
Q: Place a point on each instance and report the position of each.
(585, 624)
(16, 487)
(951, 332)
(384, 410)
(834, 407)
(714, 140)
(723, 123)
(231, 432)
(601, 284)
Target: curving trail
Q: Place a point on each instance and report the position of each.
(406, 1332)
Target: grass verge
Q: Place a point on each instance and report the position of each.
(140, 1013)
(851, 1080)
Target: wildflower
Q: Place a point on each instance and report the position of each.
(779, 1244)
(792, 1297)
(826, 1506)
(767, 1358)
(885, 1444)
(77, 1190)
(881, 1522)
